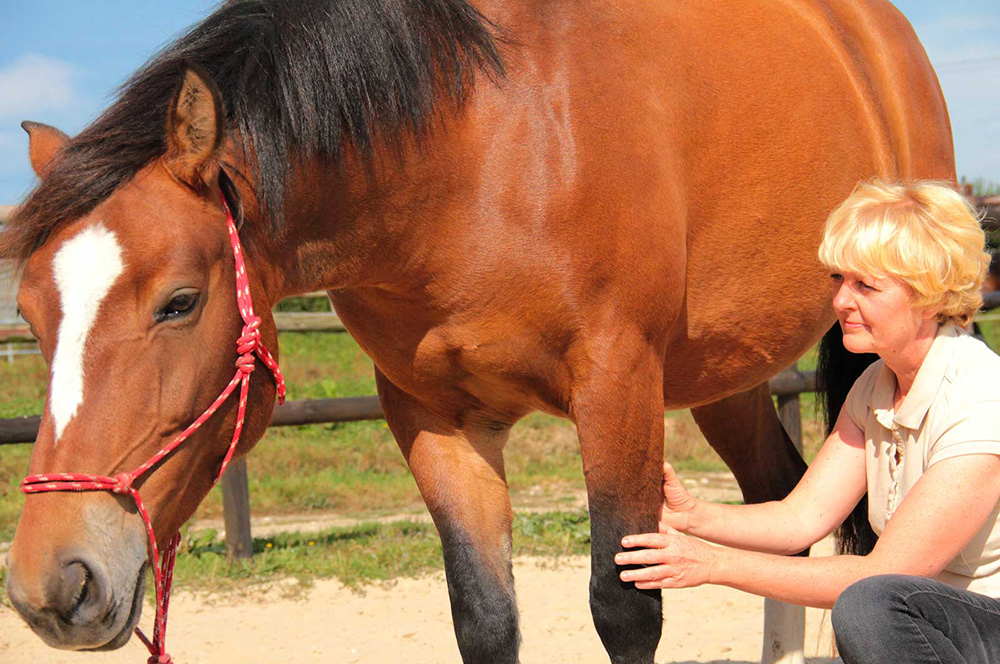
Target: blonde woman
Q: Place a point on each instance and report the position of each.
(919, 432)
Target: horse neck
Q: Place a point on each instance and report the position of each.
(360, 225)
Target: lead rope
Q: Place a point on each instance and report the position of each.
(247, 346)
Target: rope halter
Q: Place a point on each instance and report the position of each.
(249, 348)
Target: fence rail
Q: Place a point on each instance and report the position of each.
(16, 430)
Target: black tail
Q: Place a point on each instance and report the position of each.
(837, 370)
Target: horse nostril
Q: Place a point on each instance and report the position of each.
(77, 593)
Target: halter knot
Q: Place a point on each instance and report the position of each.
(246, 363)
(250, 337)
(123, 483)
(160, 659)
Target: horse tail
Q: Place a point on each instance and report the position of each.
(836, 372)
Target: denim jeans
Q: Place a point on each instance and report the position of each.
(897, 619)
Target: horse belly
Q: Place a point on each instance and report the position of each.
(788, 106)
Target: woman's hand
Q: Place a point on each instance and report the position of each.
(678, 504)
(672, 560)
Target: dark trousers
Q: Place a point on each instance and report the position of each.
(897, 619)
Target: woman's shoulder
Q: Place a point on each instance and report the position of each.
(970, 387)
(974, 366)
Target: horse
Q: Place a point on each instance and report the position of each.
(596, 210)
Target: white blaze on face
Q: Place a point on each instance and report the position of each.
(85, 268)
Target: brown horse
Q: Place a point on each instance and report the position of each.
(597, 210)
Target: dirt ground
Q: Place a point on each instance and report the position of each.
(409, 620)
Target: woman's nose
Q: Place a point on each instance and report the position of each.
(842, 299)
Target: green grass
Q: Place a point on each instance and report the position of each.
(991, 332)
(362, 554)
(357, 555)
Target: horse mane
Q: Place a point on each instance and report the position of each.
(302, 78)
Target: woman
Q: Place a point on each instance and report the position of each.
(920, 432)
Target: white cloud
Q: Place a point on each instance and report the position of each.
(34, 84)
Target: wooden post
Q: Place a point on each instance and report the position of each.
(790, 414)
(785, 624)
(236, 510)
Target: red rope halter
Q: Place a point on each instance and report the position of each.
(247, 346)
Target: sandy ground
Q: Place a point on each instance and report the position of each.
(409, 620)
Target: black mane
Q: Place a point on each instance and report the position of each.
(303, 77)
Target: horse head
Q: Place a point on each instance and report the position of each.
(135, 310)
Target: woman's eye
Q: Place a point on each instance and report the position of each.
(837, 277)
(178, 306)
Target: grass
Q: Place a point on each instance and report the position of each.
(366, 553)
(358, 555)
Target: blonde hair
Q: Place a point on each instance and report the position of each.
(924, 234)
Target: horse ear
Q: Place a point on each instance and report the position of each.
(44, 143)
(195, 127)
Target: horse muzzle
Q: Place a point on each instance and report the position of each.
(77, 606)
(78, 589)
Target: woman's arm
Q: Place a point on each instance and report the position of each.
(936, 519)
(823, 498)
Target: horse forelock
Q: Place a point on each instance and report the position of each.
(305, 78)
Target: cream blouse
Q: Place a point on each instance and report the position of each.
(952, 409)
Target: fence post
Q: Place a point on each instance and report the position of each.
(236, 510)
(785, 624)
(790, 414)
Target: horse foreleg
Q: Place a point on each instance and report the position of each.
(746, 432)
(461, 478)
(619, 415)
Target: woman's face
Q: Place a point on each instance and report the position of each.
(875, 313)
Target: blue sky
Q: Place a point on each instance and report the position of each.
(61, 60)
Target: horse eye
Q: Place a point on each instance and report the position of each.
(179, 305)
